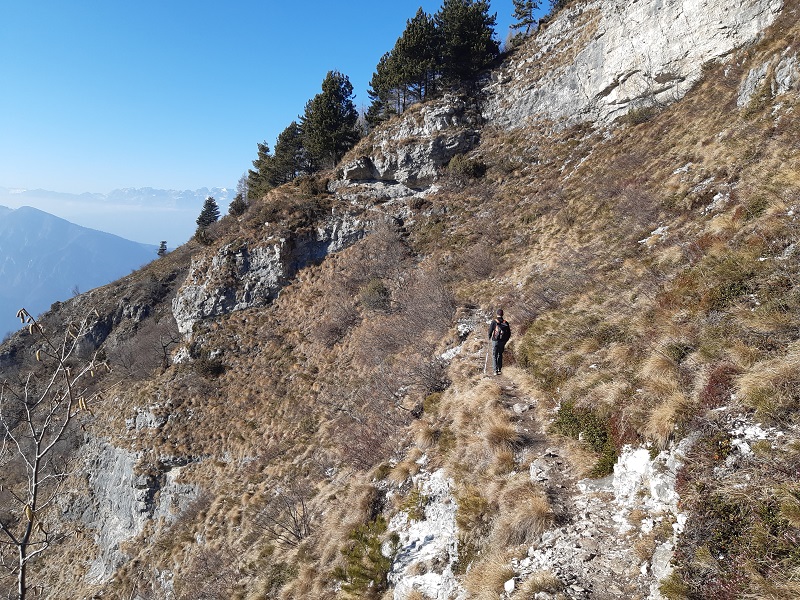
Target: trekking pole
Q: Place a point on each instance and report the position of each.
(486, 363)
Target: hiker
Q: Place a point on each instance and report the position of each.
(499, 332)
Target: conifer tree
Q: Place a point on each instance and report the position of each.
(524, 13)
(209, 214)
(258, 178)
(407, 74)
(330, 122)
(466, 37)
(416, 52)
(289, 159)
(238, 205)
(382, 91)
(162, 248)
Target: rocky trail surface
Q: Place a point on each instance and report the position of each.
(611, 537)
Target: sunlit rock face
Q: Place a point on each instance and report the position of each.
(596, 61)
(244, 275)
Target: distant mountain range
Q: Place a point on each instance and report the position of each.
(44, 258)
(143, 214)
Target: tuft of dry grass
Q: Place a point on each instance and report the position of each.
(486, 578)
(660, 371)
(772, 387)
(523, 525)
(412, 595)
(406, 468)
(502, 436)
(789, 497)
(540, 581)
(427, 436)
(663, 419)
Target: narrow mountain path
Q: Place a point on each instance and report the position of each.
(601, 544)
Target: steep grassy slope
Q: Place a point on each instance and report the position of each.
(649, 271)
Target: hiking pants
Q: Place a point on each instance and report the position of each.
(497, 355)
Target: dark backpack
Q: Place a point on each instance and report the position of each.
(502, 331)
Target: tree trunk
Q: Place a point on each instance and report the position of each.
(22, 585)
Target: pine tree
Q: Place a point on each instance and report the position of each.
(289, 159)
(407, 74)
(209, 214)
(416, 52)
(162, 248)
(330, 122)
(466, 38)
(258, 178)
(383, 90)
(238, 206)
(524, 13)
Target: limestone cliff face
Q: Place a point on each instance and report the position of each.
(777, 75)
(413, 150)
(597, 60)
(594, 61)
(121, 501)
(247, 274)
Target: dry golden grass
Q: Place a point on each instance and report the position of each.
(522, 524)
(660, 372)
(663, 419)
(781, 587)
(427, 435)
(501, 436)
(581, 460)
(540, 581)
(406, 468)
(412, 595)
(789, 497)
(486, 578)
(772, 387)
(503, 461)
(742, 355)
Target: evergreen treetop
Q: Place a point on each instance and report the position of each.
(289, 159)
(466, 34)
(258, 183)
(209, 214)
(330, 122)
(451, 48)
(524, 13)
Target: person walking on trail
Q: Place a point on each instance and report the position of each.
(499, 333)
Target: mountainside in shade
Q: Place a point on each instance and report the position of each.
(142, 214)
(302, 406)
(44, 259)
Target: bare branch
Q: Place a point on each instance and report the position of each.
(34, 420)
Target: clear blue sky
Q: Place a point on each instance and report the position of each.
(174, 94)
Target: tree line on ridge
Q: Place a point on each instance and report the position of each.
(433, 54)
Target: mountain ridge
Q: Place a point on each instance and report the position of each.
(45, 259)
(152, 214)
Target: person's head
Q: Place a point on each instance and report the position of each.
(499, 313)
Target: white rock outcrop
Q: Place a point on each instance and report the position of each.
(241, 275)
(120, 502)
(412, 151)
(596, 60)
(781, 74)
(428, 547)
